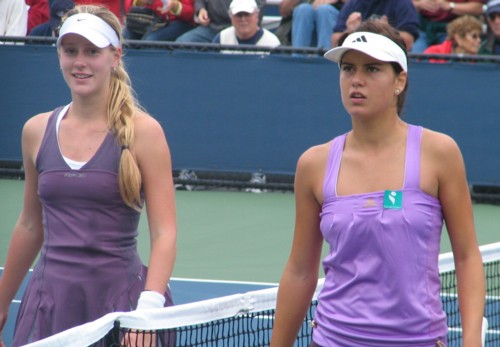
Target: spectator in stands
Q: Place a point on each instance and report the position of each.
(118, 7)
(491, 44)
(379, 195)
(38, 13)
(177, 17)
(435, 15)
(58, 9)
(312, 21)
(464, 37)
(90, 168)
(245, 29)
(212, 17)
(13, 18)
(401, 14)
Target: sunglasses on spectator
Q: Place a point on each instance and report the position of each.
(494, 16)
(474, 36)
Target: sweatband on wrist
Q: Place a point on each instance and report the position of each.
(179, 9)
(150, 299)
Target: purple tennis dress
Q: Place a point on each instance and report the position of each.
(89, 265)
(381, 273)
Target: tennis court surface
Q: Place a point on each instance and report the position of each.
(233, 238)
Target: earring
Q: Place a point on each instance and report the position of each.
(397, 92)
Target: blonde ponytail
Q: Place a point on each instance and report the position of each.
(121, 110)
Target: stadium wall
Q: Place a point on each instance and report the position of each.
(244, 113)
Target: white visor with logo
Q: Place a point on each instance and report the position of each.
(376, 46)
(93, 28)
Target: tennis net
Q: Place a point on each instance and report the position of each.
(247, 319)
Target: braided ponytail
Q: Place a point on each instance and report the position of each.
(121, 109)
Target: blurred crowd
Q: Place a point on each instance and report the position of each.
(467, 27)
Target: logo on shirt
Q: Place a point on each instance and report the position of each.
(393, 199)
(75, 174)
(370, 202)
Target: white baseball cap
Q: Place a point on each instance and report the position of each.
(376, 46)
(248, 6)
(93, 28)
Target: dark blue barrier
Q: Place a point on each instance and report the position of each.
(246, 113)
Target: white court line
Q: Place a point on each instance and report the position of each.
(222, 281)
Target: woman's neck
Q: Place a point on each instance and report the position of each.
(459, 50)
(89, 107)
(375, 134)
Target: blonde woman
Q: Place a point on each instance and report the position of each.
(91, 167)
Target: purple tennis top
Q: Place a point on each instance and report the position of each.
(89, 265)
(381, 274)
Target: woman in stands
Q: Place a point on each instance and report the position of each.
(464, 37)
(378, 195)
(90, 167)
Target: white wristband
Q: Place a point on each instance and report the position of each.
(150, 299)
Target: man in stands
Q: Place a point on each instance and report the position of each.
(245, 29)
(13, 18)
(491, 45)
(401, 14)
(212, 17)
(58, 9)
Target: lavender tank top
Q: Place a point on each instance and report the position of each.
(381, 273)
(89, 265)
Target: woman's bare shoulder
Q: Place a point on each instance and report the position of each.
(149, 135)
(316, 154)
(439, 144)
(145, 124)
(35, 126)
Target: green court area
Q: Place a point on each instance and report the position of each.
(228, 235)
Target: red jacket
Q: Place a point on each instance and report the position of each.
(442, 48)
(187, 12)
(112, 5)
(38, 13)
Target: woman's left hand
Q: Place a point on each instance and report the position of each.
(172, 7)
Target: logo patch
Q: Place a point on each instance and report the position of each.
(362, 38)
(393, 199)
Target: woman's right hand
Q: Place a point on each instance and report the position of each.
(353, 22)
(203, 17)
(426, 5)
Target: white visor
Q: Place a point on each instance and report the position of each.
(91, 27)
(375, 45)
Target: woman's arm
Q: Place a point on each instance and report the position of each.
(153, 157)
(300, 275)
(453, 192)
(27, 236)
